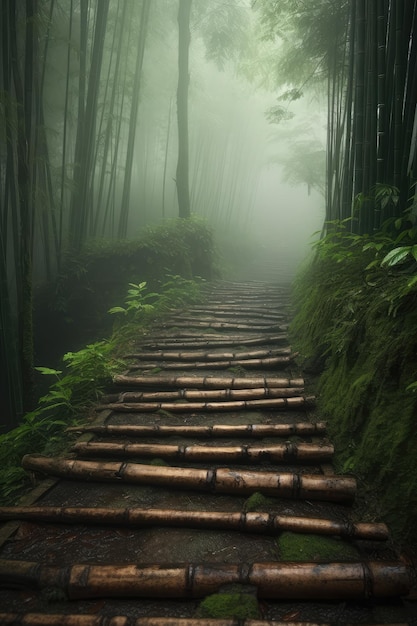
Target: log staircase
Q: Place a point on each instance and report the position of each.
(203, 468)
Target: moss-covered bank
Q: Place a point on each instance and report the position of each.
(356, 326)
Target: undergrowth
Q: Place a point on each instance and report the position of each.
(356, 322)
(83, 377)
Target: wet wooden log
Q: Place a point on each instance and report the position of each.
(246, 363)
(216, 341)
(248, 522)
(216, 430)
(43, 619)
(235, 405)
(227, 326)
(226, 319)
(289, 581)
(207, 382)
(221, 480)
(207, 355)
(203, 394)
(274, 453)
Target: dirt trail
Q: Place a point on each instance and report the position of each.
(204, 488)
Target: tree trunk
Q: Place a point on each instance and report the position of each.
(183, 192)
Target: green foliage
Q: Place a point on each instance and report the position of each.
(357, 320)
(79, 385)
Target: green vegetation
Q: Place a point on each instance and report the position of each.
(86, 372)
(224, 605)
(299, 547)
(356, 323)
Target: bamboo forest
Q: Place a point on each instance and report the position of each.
(208, 312)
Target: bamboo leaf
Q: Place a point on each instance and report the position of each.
(396, 256)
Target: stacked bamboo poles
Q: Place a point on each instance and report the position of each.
(207, 382)
(216, 430)
(275, 453)
(221, 480)
(248, 522)
(226, 325)
(289, 581)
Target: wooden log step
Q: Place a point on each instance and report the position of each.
(203, 394)
(221, 480)
(302, 429)
(232, 316)
(58, 619)
(168, 341)
(290, 581)
(207, 382)
(247, 363)
(207, 355)
(227, 326)
(296, 402)
(251, 521)
(275, 453)
(230, 309)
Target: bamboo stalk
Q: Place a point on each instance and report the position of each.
(196, 355)
(295, 402)
(221, 480)
(251, 521)
(289, 581)
(228, 319)
(217, 430)
(275, 453)
(207, 382)
(236, 405)
(201, 394)
(251, 363)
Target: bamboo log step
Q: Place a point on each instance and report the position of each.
(207, 382)
(289, 581)
(275, 453)
(221, 480)
(246, 363)
(203, 394)
(233, 317)
(58, 619)
(167, 342)
(295, 402)
(227, 325)
(206, 355)
(251, 521)
(231, 309)
(217, 430)
(240, 339)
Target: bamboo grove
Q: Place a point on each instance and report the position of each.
(363, 53)
(84, 124)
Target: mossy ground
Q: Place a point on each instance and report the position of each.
(229, 605)
(300, 547)
(361, 328)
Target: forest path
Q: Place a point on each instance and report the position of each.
(204, 475)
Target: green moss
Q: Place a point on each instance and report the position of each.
(224, 605)
(362, 329)
(299, 547)
(256, 502)
(159, 462)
